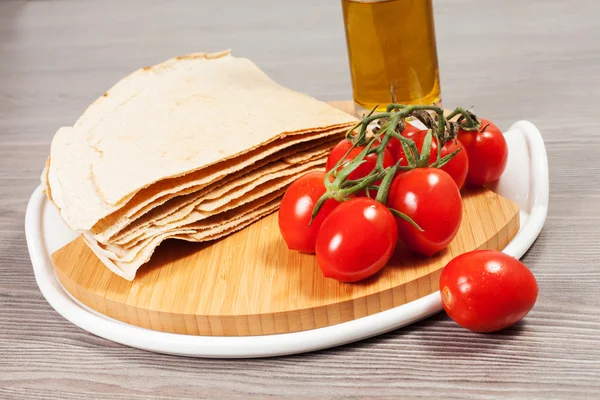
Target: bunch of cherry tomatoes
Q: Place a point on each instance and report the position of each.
(390, 180)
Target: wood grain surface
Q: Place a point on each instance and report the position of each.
(512, 59)
(249, 283)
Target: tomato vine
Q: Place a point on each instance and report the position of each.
(375, 131)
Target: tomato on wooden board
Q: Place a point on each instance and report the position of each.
(362, 170)
(356, 240)
(486, 291)
(487, 151)
(431, 198)
(296, 210)
(457, 168)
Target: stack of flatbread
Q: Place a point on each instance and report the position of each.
(194, 148)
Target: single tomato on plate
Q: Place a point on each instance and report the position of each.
(486, 290)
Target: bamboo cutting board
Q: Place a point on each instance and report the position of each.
(249, 283)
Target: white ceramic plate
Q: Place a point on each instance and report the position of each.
(525, 181)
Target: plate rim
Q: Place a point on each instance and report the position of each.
(275, 344)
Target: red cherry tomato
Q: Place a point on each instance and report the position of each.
(486, 290)
(296, 210)
(356, 240)
(431, 198)
(409, 130)
(394, 146)
(487, 152)
(457, 168)
(365, 168)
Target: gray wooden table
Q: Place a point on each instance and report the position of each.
(538, 60)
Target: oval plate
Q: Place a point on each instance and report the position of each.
(525, 181)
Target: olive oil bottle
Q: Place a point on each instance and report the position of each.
(392, 52)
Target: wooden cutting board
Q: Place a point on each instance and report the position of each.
(249, 283)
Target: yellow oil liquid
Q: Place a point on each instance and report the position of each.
(391, 47)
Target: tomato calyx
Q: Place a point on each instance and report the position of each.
(467, 121)
(421, 160)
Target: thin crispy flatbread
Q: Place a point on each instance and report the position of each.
(179, 207)
(194, 148)
(127, 270)
(261, 188)
(156, 195)
(190, 113)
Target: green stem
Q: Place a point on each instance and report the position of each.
(326, 196)
(406, 218)
(384, 188)
(425, 150)
(472, 123)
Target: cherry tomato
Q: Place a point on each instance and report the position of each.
(431, 198)
(410, 130)
(486, 290)
(487, 152)
(365, 168)
(356, 240)
(394, 146)
(296, 209)
(457, 168)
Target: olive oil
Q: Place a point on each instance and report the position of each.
(392, 52)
